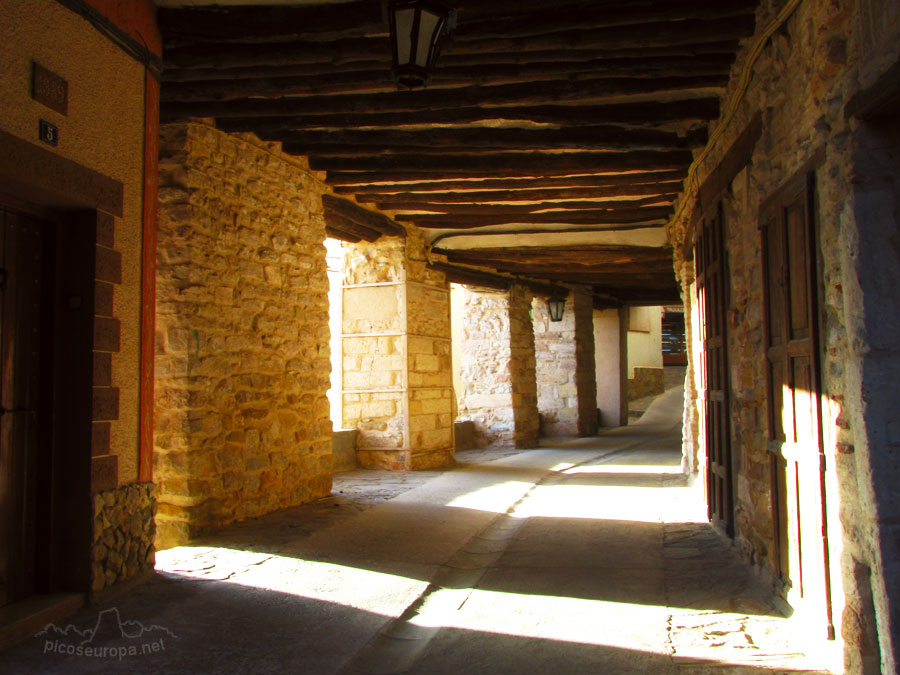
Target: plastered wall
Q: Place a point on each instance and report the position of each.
(103, 131)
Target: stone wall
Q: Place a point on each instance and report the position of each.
(397, 380)
(242, 364)
(564, 352)
(123, 534)
(806, 73)
(499, 391)
(646, 382)
(486, 394)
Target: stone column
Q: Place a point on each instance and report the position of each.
(498, 368)
(567, 390)
(585, 370)
(397, 382)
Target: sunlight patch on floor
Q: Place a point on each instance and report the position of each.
(366, 590)
(626, 468)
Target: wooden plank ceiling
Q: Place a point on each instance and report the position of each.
(551, 142)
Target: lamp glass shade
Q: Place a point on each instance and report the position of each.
(416, 31)
(556, 307)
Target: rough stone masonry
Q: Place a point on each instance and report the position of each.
(242, 353)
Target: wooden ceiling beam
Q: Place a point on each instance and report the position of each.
(658, 35)
(477, 141)
(344, 212)
(646, 215)
(583, 254)
(470, 277)
(507, 164)
(592, 17)
(369, 73)
(647, 112)
(339, 223)
(430, 200)
(514, 209)
(380, 81)
(383, 184)
(538, 93)
(335, 233)
(323, 22)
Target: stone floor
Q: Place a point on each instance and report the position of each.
(585, 556)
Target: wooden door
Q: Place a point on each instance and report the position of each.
(794, 393)
(712, 287)
(20, 319)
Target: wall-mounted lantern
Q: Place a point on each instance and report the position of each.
(417, 27)
(556, 307)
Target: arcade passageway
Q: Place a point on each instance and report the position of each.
(584, 556)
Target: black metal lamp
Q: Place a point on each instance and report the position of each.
(556, 307)
(417, 27)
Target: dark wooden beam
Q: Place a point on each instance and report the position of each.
(334, 233)
(386, 201)
(644, 215)
(482, 140)
(593, 17)
(641, 296)
(517, 209)
(520, 164)
(536, 93)
(319, 22)
(327, 22)
(561, 256)
(734, 160)
(338, 207)
(470, 277)
(274, 86)
(362, 74)
(339, 223)
(522, 231)
(645, 112)
(664, 34)
(384, 184)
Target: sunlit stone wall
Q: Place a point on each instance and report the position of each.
(564, 351)
(499, 392)
(397, 377)
(242, 357)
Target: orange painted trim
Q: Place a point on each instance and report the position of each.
(148, 274)
(137, 18)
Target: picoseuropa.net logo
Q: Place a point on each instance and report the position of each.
(110, 638)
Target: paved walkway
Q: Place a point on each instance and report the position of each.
(590, 556)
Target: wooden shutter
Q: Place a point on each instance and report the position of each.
(712, 287)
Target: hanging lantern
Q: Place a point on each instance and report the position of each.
(556, 307)
(417, 27)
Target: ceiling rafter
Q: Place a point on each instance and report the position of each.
(576, 121)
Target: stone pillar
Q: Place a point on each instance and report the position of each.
(499, 391)
(585, 369)
(397, 383)
(567, 390)
(242, 354)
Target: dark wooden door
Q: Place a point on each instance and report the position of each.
(712, 287)
(20, 322)
(794, 393)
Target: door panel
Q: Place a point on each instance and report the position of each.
(21, 257)
(794, 395)
(713, 293)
